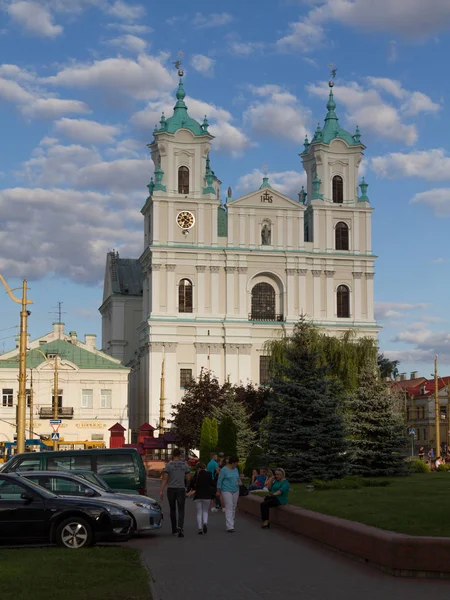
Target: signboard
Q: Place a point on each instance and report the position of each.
(55, 421)
(55, 436)
(412, 431)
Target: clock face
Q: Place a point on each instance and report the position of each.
(185, 219)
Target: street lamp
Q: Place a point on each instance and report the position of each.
(55, 389)
(21, 401)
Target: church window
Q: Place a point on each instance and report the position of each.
(264, 371)
(263, 302)
(185, 377)
(343, 302)
(341, 236)
(183, 180)
(185, 296)
(338, 189)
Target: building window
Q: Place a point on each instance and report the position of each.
(343, 302)
(264, 372)
(185, 296)
(338, 189)
(105, 398)
(443, 411)
(7, 397)
(183, 180)
(424, 434)
(60, 398)
(87, 398)
(185, 377)
(263, 302)
(341, 236)
(28, 397)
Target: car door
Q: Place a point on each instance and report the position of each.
(21, 518)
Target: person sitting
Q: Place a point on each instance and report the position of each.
(437, 462)
(258, 480)
(279, 490)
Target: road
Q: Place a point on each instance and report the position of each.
(257, 564)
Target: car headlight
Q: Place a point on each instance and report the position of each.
(115, 510)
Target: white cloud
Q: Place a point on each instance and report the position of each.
(86, 132)
(394, 310)
(11, 91)
(52, 108)
(131, 28)
(34, 18)
(279, 114)
(124, 11)
(304, 35)
(413, 102)
(203, 64)
(129, 42)
(201, 21)
(437, 199)
(242, 49)
(141, 79)
(431, 164)
(286, 182)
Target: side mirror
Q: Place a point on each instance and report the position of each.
(89, 493)
(26, 496)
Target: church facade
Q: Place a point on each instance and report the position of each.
(216, 281)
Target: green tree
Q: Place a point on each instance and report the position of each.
(214, 434)
(198, 402)
(388, 368)
(254, 398)
(254, 460)
(205, 441)
(377, 444)
(227, 436)
(233, 408)
(304, 431)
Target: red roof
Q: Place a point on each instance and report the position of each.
(117, 427)
(421, 386)
(146, 427)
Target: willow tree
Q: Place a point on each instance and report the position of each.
(344, 356)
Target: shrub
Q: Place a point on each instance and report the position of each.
(443, 467)
(350, 482)
(254, 460)
(418, 466)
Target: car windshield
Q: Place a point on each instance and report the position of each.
(95, 479)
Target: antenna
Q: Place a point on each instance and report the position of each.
(58, 311)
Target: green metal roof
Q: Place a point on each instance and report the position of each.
(180, 118)
(126, 277)
(67, 351)
(332, 130)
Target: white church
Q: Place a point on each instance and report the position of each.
(216, 281)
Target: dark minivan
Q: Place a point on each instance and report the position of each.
(121, 468)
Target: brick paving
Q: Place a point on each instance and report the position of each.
(256, 564)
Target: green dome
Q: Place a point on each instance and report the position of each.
(332, 130)
(180, 118)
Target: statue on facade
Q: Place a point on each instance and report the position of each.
(266, 235)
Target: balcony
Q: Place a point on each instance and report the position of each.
(266, 317)
(64, 412)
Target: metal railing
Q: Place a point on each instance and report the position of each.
(265, 317)
(64, 412)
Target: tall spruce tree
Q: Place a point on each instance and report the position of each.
(304, 431)
(227, 436)
(377, 444)
(205, 441)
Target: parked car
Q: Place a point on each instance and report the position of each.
(121, 468)
(145, 512)
(30, 513)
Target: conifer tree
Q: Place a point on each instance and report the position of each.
(214, 434)
(377, 444)
(205, 441)
(304, 431)
(227, 436)
(237, 411)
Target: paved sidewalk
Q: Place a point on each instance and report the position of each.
(256, 564)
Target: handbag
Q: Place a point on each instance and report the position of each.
(243, 490)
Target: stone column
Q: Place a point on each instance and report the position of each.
(230, 229)
(244, 362)
(172, 290)
(242, 224)
(214, 218)
(230, 290)
(317, 298)
(368, 234)
(330, 295)
(290, 229)
(290, 295)
(200, 308)
(329, 230)
(170, 224)
(232, 362)
(200, 225)
(155, 220)
(280, 240)
(172, 379)
(252, 228)
(357, 295)
(156, 288)
(369, 295)
(214, 289)
(302, 301)
(355, 237)
(216, 360)
(243, 309)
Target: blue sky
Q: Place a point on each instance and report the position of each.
(83, 83)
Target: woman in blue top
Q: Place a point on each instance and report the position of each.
(279, 489)
(228, 490)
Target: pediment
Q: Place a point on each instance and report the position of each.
(63, 365)
(266, 198)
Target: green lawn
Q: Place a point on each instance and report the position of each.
(417, 504)
(99, 573)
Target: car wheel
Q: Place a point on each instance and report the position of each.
(74, 533)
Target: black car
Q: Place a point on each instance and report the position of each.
(29, 513)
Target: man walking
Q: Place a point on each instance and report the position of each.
(175, 476)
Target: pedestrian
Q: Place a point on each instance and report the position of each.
(421, 452)
(431, 453)
(175, 475)
(213, 468)
(228, 490)
(201, 484)
(279, 489)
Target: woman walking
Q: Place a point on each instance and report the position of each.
(279, 489)
(228, 489)
(202, 485)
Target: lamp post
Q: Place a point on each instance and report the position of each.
(437, 419)
(55, 390)
(21, 401)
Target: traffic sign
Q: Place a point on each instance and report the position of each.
(55, 436)
(55, 421)
(412, 431)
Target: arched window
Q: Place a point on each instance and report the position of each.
(338, 189)
(343, 302)
(341, 236)
(185, 296)
(183, 180)
(263, 302)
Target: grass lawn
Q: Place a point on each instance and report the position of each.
(417, 504)
(99, 573)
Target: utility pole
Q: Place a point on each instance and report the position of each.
(437, 416)
(161, 401)
(31, 406)
(55, 398)
(21, 401)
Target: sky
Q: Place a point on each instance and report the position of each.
(83, 83)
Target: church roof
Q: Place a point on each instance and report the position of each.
(126, 276)
(181, 118)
